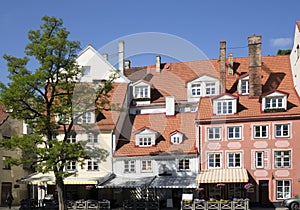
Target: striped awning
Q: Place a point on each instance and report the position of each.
(228, 175)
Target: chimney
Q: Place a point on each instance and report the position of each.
(170, 105)
(121, 55)
(230, 64)
(158, 63)
(105, 56)
(223, 66)
(254, 58)
(127, 64)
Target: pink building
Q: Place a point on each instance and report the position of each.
(249, 133)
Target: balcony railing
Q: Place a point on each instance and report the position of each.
(241, 204)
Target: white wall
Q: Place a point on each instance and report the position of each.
(294, 59)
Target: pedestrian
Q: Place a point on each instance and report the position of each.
(9, 200)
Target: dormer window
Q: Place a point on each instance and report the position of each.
(196, 89)
(210, 88)
(145, 137)
(201, 87)
(141, 92)
(176, 137)
(243, 86)
(275, 101)
(225, 105)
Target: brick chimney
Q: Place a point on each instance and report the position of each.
(223, 66)
(157, 65)
(254, 58)
(170, 105)
(121, 55)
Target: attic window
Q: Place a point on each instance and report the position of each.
(176, 138)
(225, 105)
(145, 138)
(243, 86)
(141, 92)
(274, 102)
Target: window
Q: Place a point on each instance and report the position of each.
(282, 159)
(260, 131)
(234, 160)
(214, 133)
(145, 141)
(272, 103)
(282, 130)
(234, 132)
(259, 159)
(196, 89)
(141, 92)
(92, 165)
(283, 189)
(87, 117)
(224, 107)
(6, 165)
(176, 138)
(146, 166)
(245, 87)
(71, 138)
(92, 137)
(214, 160)
(86, 70)
(72, 166)
(210, 88)
(129, 166)
(184, 164)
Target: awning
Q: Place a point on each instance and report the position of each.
(174, 182)
(82, 178)
(125, 182)
(229, 175)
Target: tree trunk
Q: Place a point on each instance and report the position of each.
(60, 193)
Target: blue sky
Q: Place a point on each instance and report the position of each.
(203, 23)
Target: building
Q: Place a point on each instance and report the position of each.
(11, 174)
(248, 133)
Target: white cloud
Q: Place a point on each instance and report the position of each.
(281, 42)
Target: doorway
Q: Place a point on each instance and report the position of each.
(6, 188)
(264, 193)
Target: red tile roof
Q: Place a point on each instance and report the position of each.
(276, 74)
(182, 122)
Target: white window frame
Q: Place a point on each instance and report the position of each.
(225, 107)
(216, 157)
(184, 165)
(146, 166)
(176, 138)
(236, 132)
(145, 141)
(92, 165)
(283, 130)
(259, 159)
(244, 87)
(283, 189)
(236, 162)
(261, 131)
(196, 89)
(141, 92)
(87, 118)
(274, 102)
(71, 166)
(210, 88)
(214, 131)
(129, 166)
(92, 138)
(281, 157)
(71, 137)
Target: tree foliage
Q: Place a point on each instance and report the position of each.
(41, 95)
(284, 52)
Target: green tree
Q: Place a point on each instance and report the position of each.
(284, 52)
(46, 96)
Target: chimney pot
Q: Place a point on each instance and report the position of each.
(127, 64)
(158, 63)
(105, 56)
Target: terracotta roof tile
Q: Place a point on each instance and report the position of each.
(3, 114)
(183, 122)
